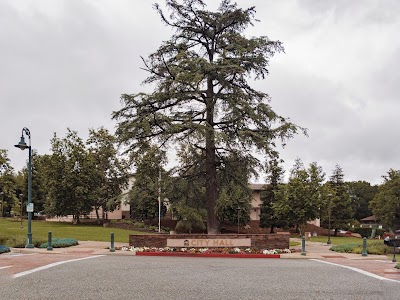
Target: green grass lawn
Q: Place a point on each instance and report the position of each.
(81, 232)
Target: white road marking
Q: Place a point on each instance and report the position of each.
(52, 265)
(6, 267)
(357, 270)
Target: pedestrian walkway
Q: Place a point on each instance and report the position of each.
(380, 265)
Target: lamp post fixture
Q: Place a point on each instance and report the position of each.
(238, 214)
(329, 219)
(22, 145)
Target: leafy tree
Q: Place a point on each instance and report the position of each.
(268, 217)
(386, 203)
(111, 174)
(361, 193)
(339, 204)
(144, 193)
(7, 183)
(70, 173)
(300, 200)
(39, 191)
(201, 93)
(234, 192)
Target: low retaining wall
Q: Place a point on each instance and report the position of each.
(256, 241)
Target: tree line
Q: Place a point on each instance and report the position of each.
(203, 107)
(80, 177)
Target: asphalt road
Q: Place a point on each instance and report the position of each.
(127, 277)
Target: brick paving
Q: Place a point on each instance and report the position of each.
(380, 265)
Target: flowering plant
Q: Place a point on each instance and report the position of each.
(235, 250)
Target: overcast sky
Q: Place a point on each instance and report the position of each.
(65, 63)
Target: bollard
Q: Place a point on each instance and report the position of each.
(112, 249)
(303, 246)
(394, 252)
(49, 246)
(364, 251)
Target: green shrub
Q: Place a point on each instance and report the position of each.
(124, 221)
(60, 243)
(3, 239)
(38, 242)
(4, 249)
(153, 228)
(364, 232)
(17, 241)
(344, 248)
(397, 266)
(139, 225)
(373, 247)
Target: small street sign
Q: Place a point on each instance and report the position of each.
(29, 207)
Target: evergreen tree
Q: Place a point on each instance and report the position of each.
(268, 217)
(235, 195)
(201, 93)
(186, 190)
(339, 205)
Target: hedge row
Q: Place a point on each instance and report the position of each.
(4, 249)
(374, 247)
(60, 243)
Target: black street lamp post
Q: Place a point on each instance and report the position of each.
(238, 215)
(329, 219)
(20, 199)
(29, 207)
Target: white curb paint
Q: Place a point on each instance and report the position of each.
(6, 267)
(52, 265)
(357, 270)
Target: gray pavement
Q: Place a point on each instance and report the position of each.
(118, 277)
(379, 265)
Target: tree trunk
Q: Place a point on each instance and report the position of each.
(302, 229)
(103, 213)
(211, 167)
(272, 229)
(97, 215)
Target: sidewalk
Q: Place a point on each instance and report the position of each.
(379, 265)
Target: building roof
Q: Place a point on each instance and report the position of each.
(258, 186)
(370, 218)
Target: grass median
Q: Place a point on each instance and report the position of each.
(10, 230)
